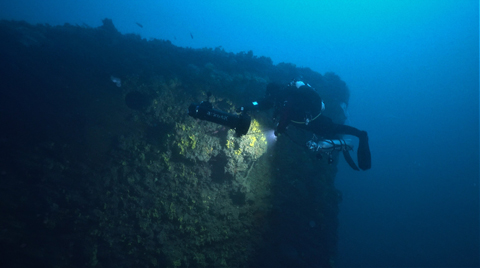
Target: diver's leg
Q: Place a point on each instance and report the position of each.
(347, 130)
(363, 153)
(324, 127)
(330, 129)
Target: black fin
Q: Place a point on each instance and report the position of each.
(349, 160)
(363, 154)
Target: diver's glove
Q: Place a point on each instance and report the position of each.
(278, 132)
(281, 128)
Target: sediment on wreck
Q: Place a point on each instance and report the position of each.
(115, 174)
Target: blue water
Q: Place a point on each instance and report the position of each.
(413, 71)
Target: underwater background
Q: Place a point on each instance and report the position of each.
(101, 166)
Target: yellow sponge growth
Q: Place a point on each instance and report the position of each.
(253, 139)
(230, 144)
(193, 141)
(255, 127)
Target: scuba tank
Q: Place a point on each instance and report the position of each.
(328, 146)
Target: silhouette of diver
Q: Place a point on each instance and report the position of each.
(300, 105)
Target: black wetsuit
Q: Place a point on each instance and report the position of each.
(302, 107)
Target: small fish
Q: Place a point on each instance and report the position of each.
(191, 35)
(139, 25)
(116, 80)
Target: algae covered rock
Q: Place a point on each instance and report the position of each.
(121, 176)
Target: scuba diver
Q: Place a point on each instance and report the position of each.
(300, 105)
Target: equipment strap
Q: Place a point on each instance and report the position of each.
(298, 122)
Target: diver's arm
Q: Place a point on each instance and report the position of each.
(325, 127)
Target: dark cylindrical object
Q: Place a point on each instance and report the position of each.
(204, 111)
